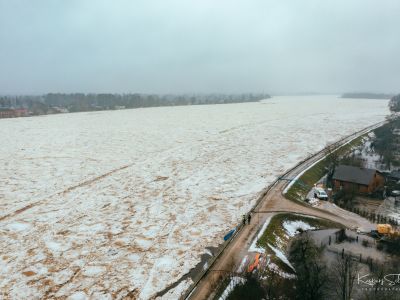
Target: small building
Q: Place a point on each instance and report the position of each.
(13, 112)
(57, 110)
(359, 180)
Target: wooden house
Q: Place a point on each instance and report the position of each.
(360, 180)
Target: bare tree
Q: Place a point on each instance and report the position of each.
(343, 274)
(277, 287)
(311, 272)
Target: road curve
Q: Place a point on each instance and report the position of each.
(270, 203)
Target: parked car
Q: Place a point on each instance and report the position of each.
(320, 194)
(395, 193)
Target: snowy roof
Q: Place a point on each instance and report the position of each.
(354, 174)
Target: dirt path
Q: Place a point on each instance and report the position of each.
(272, 203)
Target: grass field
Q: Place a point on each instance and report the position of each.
(300, 188)
(277, 236)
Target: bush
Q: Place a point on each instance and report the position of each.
(251, 289)
(379, 246)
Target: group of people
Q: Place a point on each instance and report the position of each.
(248, 218)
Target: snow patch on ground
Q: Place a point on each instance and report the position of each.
(313, 201)
(205, 266)
(253, 247)
(370, 158)
(291, 227)
(243, 264)
(231, 285)
(208, 251)
(281, 256)
(274, 267)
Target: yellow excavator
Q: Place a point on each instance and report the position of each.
(385, 232)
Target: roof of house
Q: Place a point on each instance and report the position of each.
(354, 174)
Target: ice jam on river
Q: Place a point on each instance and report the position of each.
(105, 204)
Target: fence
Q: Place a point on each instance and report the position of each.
(347, 253)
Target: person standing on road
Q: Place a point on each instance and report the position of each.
(248, 218)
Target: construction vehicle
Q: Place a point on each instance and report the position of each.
(384, 228)
(385, 232)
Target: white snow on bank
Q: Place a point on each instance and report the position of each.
(253, 247)
(369, 157)
(292, 227)
(281, 256)
(231, 285)
(313, 201)
(273, 267)
(243, 264)
(143, 192)
(209, 252)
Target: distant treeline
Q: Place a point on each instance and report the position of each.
(366, 96)
(57, 102)
(394, 103)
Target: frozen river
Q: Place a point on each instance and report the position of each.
(103, 204)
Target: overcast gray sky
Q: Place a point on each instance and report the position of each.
(224, 46)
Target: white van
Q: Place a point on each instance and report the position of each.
(320, 194)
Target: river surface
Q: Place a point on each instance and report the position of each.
(105, 204)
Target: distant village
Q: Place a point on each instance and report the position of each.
(56, 103)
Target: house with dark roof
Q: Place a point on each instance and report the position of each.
(360, 180)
